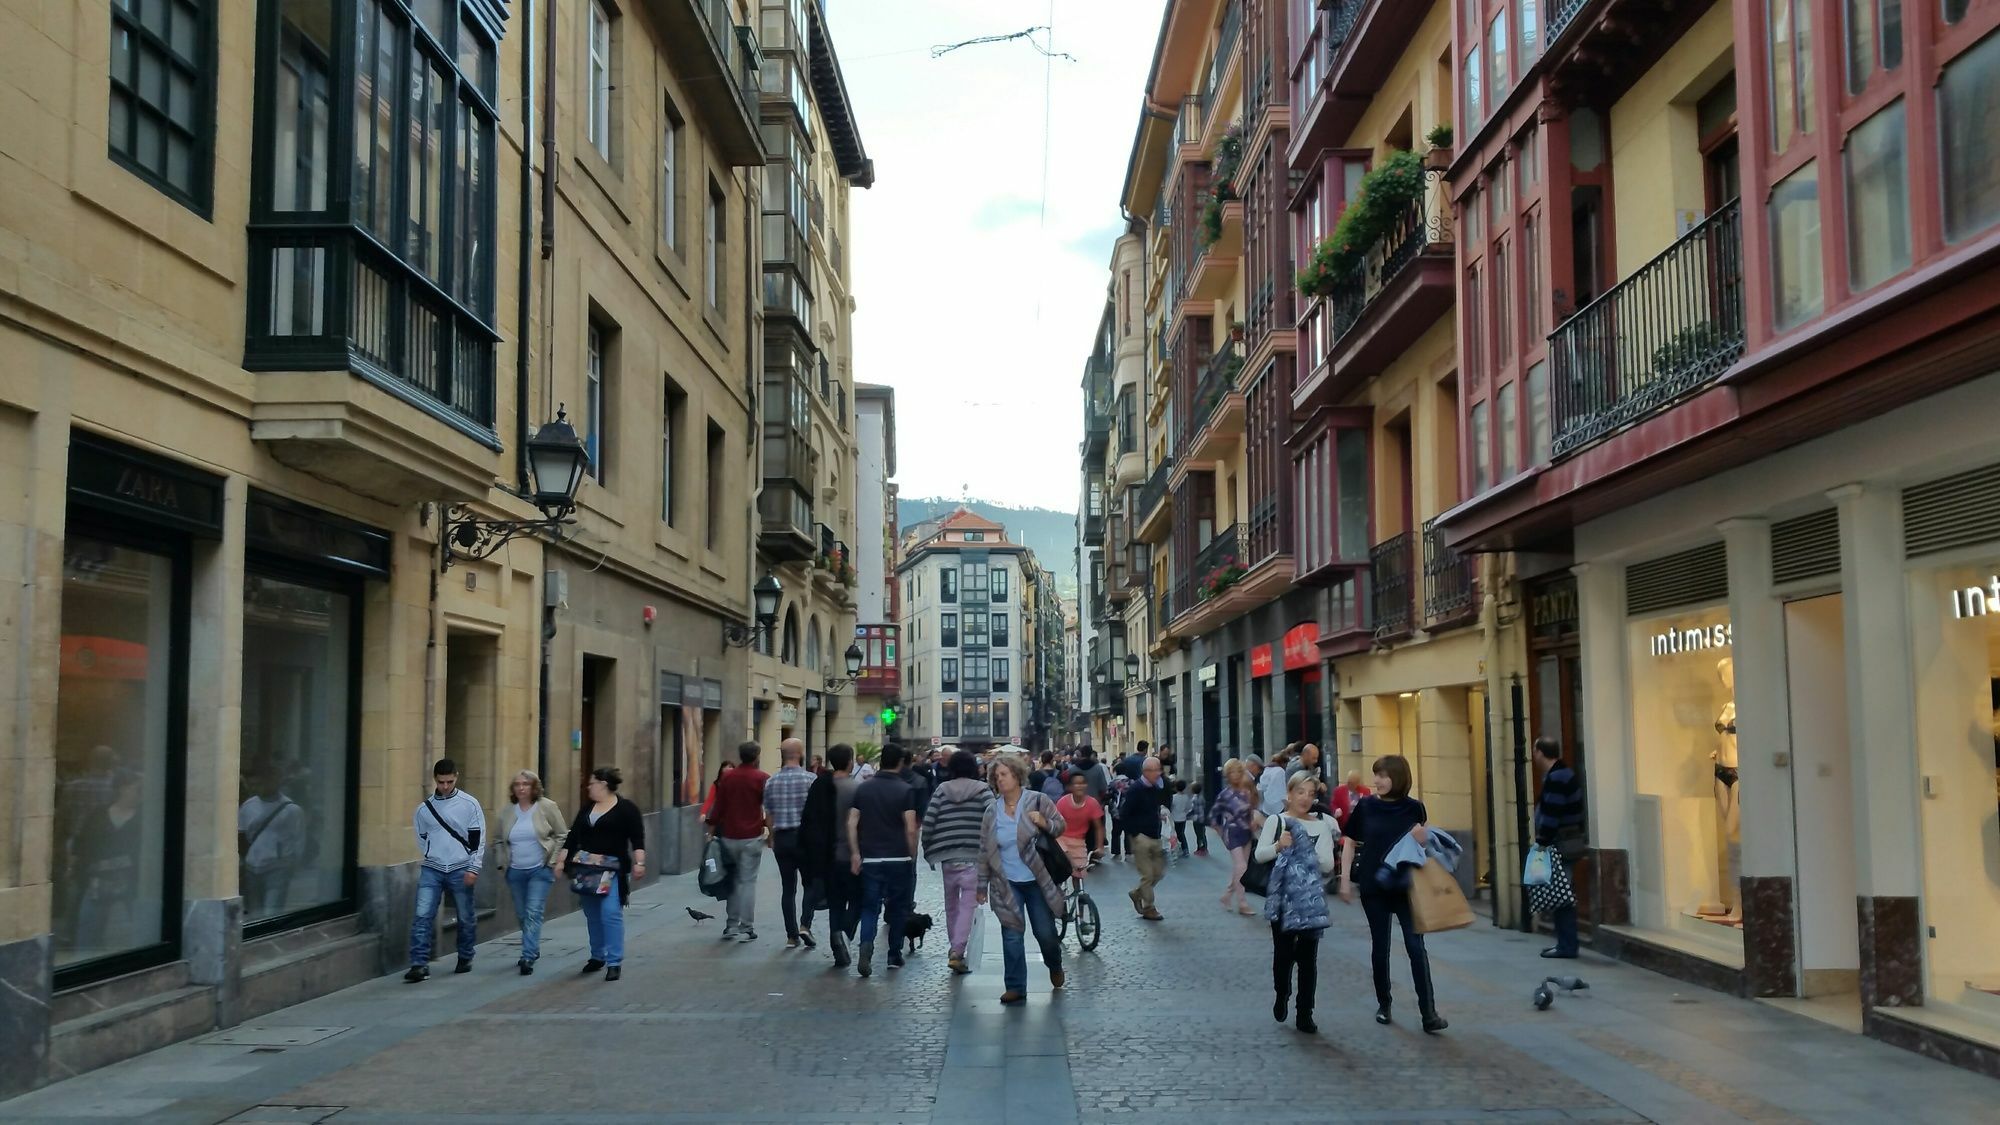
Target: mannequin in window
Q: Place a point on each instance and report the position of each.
(1728, 811)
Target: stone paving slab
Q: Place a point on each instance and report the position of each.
(1166, 1022)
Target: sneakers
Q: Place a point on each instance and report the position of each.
(417, 974)
(1434, 1023)
(895, 958)
(806, 939)
(527, 968)
(464, 965)
(839, 942)
(958, 965)
(865, 968)
(1382, 1015)
(730, 931)
(747, 934)
(792, 942)
(1555, 953)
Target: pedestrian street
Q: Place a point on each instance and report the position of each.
(1166, 1022)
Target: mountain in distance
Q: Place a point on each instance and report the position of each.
(1051, 534)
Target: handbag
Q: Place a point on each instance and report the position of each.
(1437, 902)
(717, 878)
(1535, 872)
(1257, 875)
(593, 873)
(1055, 860)
(1549, 897)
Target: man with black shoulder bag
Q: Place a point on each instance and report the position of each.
(449, 824)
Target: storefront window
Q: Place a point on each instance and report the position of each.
(1688, 833)
(115, 743)
(292, 811)
(1955, 623)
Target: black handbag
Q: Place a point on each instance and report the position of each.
(1054, 859)
(1257, 876)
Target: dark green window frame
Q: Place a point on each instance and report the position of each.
(161, 120)
(373, 198)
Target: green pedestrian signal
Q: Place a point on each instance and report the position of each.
(888, 716)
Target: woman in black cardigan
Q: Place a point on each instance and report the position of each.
(610, 830)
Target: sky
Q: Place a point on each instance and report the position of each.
(976, 296)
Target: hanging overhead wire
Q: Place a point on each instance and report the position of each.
(1027, 35)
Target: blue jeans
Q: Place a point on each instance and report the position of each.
(888, 890)
(604, 917)
(530, 886)
(431, 887)
(1013, 943)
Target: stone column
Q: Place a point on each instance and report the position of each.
(1607, 721)
(1767, 861)
(212, 911)
(1881, 715)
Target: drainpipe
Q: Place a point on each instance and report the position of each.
(1527, 924)
(524, 280)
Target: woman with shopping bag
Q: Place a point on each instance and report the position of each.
(1373, 829)
(1299, 845)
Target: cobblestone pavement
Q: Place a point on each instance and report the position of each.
(1166, 1022)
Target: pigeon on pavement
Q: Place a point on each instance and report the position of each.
(698, 916)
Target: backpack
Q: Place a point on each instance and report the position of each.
(1118, 790)
(1052, 786)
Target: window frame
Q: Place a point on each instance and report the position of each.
(673, 129)
(199, 197)
(600, 77)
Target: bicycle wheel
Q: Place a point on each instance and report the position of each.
(1088, 927)
(1069, 909)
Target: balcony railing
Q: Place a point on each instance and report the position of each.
(1449, 580)
(1225, 46)
(1389, 580)
(1267, 536)
(1219, 565)
(1340, 23)
(1155, 490)
(1218, 379)
(1425, 222)
(1559, 19)
(1670, 328)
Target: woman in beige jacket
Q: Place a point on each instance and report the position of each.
(532, 828)
(1014, 880)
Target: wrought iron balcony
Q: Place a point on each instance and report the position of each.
(1225, 46)
(1659, 335)
(1560, 18)
(1268, 536)
(1154, 492)
(1218, 380)
(1219, 565)
(1450, 581)
(1424, 224)
(1392, 593)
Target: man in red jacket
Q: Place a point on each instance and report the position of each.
(738, 817)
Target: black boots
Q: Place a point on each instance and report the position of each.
(1434, 1023)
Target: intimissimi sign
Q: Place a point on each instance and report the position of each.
(1977, 601)
(1699, 639)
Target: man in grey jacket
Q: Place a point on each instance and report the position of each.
(449, 824)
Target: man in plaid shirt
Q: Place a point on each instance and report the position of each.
(784, 803)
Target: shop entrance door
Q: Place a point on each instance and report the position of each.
(1822, 799)
(596, 687)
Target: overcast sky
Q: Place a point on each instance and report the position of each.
(973, 304)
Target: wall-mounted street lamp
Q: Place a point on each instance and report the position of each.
(835, 685)
(557, 460)
(764, 597)
(1131, 668)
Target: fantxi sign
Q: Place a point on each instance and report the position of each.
(1977, 601)
(1699, 639)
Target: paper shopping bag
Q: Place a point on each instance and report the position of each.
(1436, 902)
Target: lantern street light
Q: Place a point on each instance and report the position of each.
(1131, 668)
(835, 685)
(557, 460)
(764, 598)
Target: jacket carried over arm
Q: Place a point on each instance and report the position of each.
(818, 827)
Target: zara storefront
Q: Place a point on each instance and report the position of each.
(1791, 677)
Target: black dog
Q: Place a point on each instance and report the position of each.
(914, 929)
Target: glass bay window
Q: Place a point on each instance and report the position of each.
(372, 204)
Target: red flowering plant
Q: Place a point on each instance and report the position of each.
(1222, 578)
(1385, 193)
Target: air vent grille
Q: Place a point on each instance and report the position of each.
(1955, 511)
(1806, 547)
(1688, 578)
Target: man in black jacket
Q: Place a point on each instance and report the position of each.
(823, 859)
(1559, 824)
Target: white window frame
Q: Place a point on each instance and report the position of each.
(597, 119)
(712, 250)
(670, 181)
(593, 405)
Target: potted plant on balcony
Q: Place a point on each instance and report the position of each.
(1235, 331)
(1378, 204)
(1440, 155)
(1222, 578)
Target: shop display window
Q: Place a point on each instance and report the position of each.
(1955, 631)
(1688, 834)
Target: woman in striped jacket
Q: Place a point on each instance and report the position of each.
(951, 837)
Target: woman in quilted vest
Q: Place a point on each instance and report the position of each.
(1300, 840)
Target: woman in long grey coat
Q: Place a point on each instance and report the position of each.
(1012, 878)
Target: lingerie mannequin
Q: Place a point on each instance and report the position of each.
(1728, 818)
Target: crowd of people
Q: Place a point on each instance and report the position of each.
(847, 837)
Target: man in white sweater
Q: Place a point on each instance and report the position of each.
(449, 825)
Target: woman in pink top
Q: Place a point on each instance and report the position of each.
(1083, 824)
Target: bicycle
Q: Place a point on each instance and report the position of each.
(1080, 910)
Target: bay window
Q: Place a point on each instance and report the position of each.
(372, 212)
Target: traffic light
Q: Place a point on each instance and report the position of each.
(888, 716)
